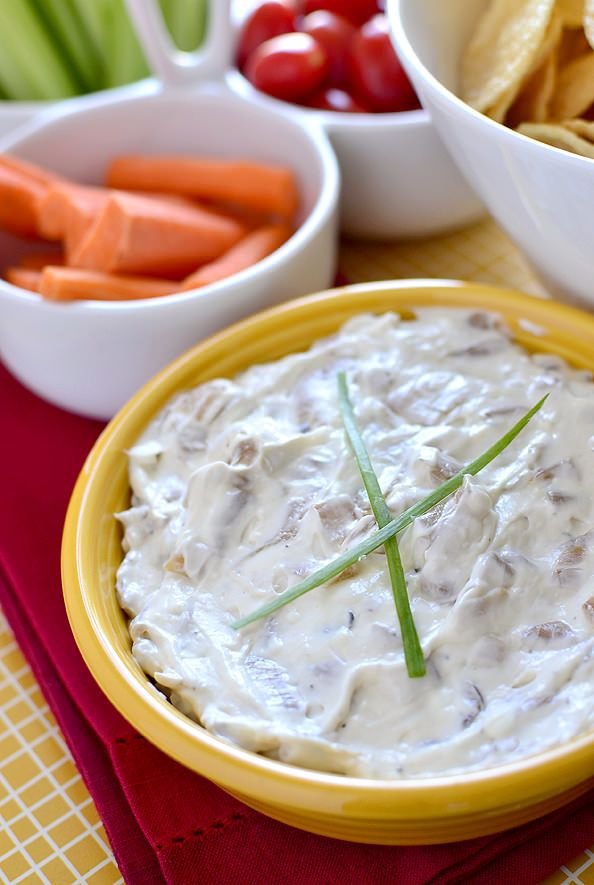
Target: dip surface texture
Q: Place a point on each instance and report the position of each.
(243, 487)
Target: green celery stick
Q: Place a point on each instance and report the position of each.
(32, 66)
(124, 57)
(92, 13)
(186, 22)
(70, 35)
(12, 82)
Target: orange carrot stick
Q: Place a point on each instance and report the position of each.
(38, 260)
(19, 196)
(29, 170)
(250, 218)
(262, 186)
(67, 210)
(71, 284)
(148, 235)
(23, 277)
(252, 248)
(22, 185)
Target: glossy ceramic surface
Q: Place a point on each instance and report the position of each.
(90, 356)
(389, 812)
(14, 114)
(540, 195)
(398, 179)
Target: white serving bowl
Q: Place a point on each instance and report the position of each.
(90, 356)
(398, 180)
(543, 197)
(14, 114)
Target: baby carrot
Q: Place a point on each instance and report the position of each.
(67, 210)
(150, 235)
(72, 284)
(23, 277)
(19, 197)
(262, 186)
(38, 260)
(252, 248)
(22, 186)
(29, 170)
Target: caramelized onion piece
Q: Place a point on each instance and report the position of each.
(443, 468)
(588, 608)
(337, 516)
(549, 630)
(245, 452)
(473, 698)
(482, 320)
(569, 557)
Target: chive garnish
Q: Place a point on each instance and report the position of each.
(363, 548)
(413, 653)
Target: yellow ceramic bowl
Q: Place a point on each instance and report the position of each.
(392, 811)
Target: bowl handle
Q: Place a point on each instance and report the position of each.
(170, 64)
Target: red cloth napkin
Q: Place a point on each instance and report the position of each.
(166, 824)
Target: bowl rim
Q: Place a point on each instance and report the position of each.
(325, 204)
(331, 121)
(177, 735)
(40, 106)
(404, 46)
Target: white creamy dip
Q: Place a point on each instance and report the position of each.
(241, 488)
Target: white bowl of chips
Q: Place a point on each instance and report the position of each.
(510, 88)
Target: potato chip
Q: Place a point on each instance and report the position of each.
(551, 40)
(574, 92)
(589, 21)
(530, 99)
(533, 103)
(503, 49)
(501, 107)
(558, 136)
(573, 44)
(572, 12)
(530, 66)
(583, 128)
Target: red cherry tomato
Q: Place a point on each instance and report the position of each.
(267, 20)
(335, 100)
(289, 67)
(356, 11)
(334, 33)
(375, 73)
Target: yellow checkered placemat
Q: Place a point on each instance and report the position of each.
(50, 831)
(481, 253)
